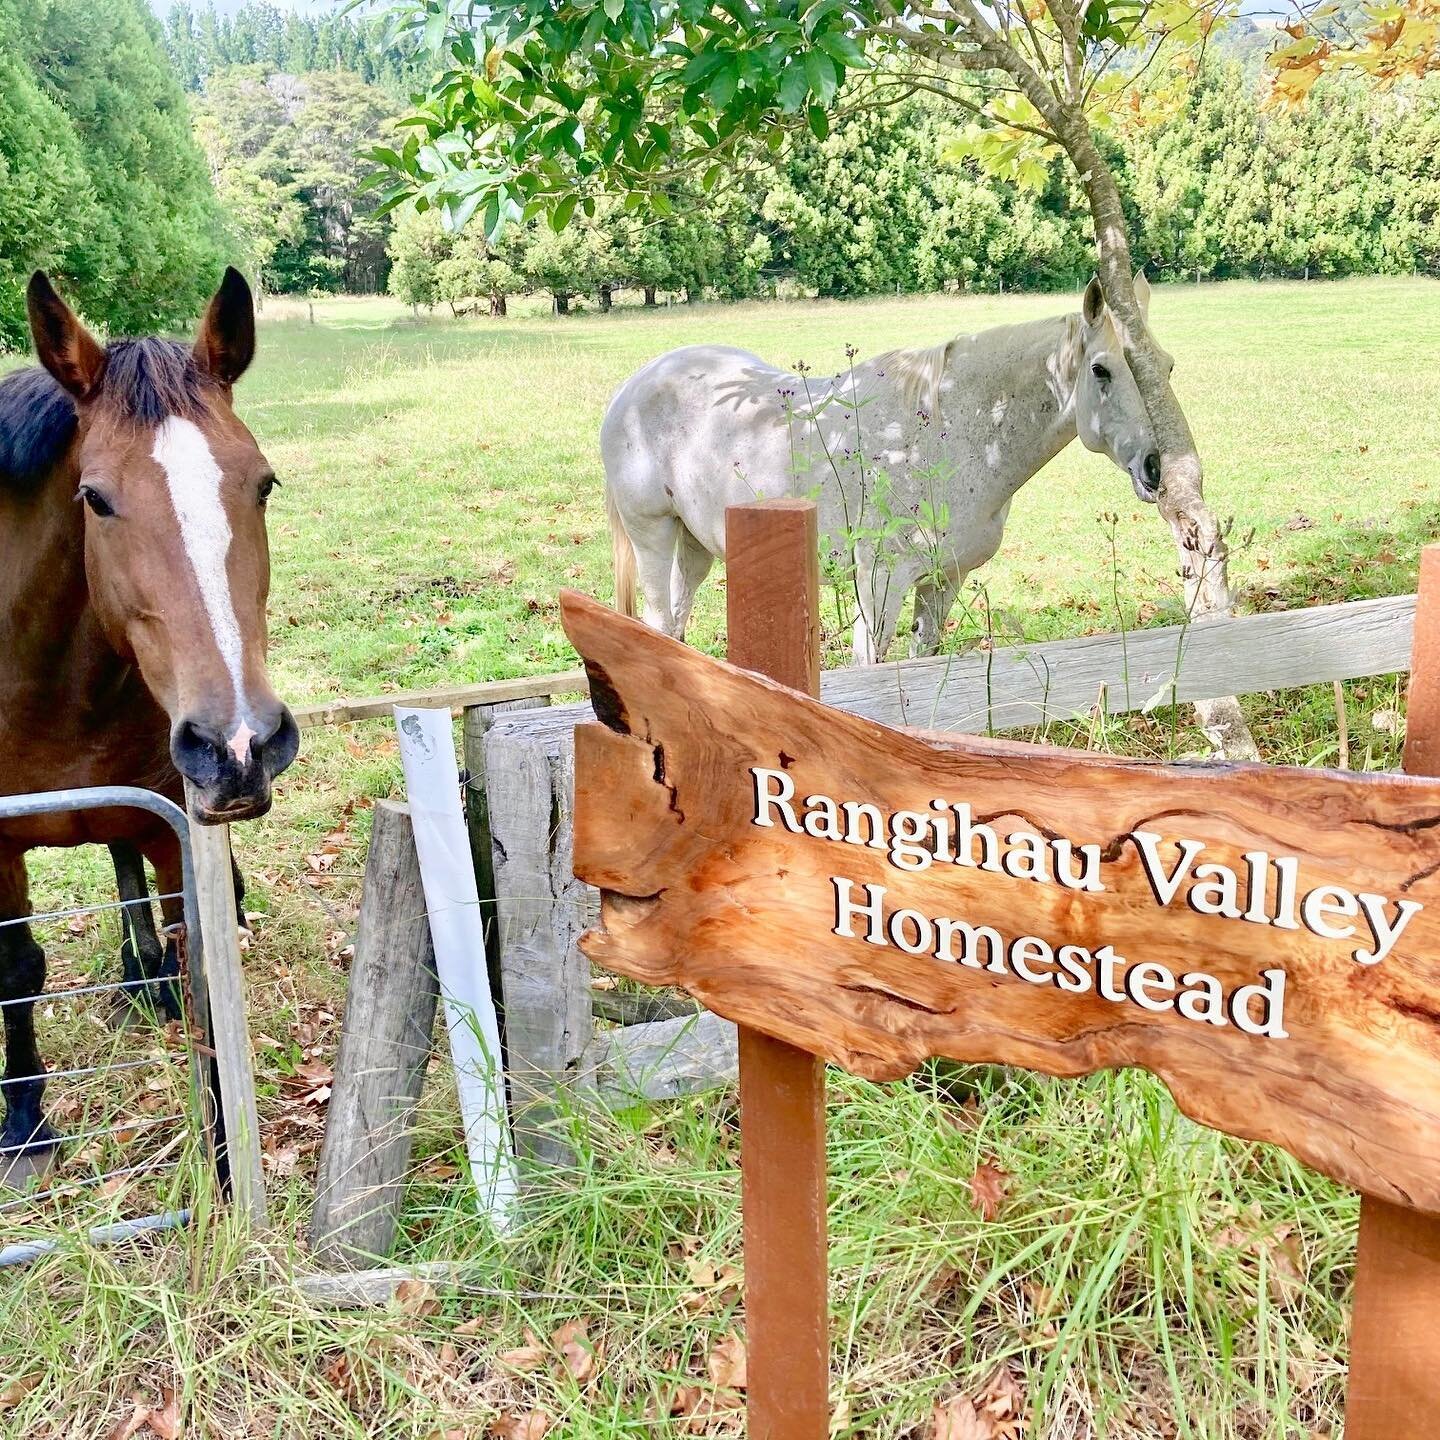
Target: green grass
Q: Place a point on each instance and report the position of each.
(1143, 1278)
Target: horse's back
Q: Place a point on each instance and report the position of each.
(695, 430)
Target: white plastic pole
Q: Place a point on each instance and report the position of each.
(432, 785)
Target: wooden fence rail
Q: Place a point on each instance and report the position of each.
(454, 697)
(525, 760)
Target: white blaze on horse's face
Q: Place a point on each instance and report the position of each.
(1110, 416)
(194, 480)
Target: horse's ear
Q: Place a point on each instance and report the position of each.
(225, 345)
(1142, 294)
(62, 344)
(1092, 307)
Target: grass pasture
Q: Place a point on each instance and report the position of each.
(1010, 1255)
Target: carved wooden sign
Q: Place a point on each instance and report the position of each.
(1264, 939)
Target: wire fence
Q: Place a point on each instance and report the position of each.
(127, 1093)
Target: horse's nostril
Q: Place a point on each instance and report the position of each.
(1152, 470)
(198, 752)
(280, 743)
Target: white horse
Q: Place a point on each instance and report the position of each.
(913, 457)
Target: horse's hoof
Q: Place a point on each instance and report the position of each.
(24, 1163)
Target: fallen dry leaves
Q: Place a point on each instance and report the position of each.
(727, 1363)
(161, 1421)
(534, 1425)
(958, 1419)
(995, 1412)
(14, 1391)
(577, 1352)
(989, 1186)
(417, 1298)
(524, 1358)
(1276, 1247)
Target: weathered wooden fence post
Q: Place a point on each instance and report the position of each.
(541, 911)
(476, 725)
(772, 581)
(1394, 1387)
(385, 1045)
(229, 1026)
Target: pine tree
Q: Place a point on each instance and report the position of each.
(100, 177)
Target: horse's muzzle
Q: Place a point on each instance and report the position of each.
(231, 781)
(1145, 477)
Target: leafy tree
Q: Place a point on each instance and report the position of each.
(338, 117)
(850, 209)
(570, 262)
(417, 246)
(49, 214)
(1388, 41)
(1405, 156)
(477, 269)
(203, 43)
(237, 121)
(96, 157)
(282, 150)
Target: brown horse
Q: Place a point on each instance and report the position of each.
(134, 570)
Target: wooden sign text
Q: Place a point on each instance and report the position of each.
(1265, 939)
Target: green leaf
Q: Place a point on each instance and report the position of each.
(842, 48)
(820, 71)
(560, 215)
(455, 215)
(818, 121)
(706, 63)
(434, 36)
(724, 86)
(794, 87)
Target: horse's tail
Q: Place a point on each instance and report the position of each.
(623, 556)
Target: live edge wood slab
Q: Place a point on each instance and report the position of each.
(1264, 939)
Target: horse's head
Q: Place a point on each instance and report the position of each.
(1110, 416)
(176, 557)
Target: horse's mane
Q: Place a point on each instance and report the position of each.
(917, 375)
(146, 382)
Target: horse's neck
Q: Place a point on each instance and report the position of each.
(55, 649)
(1028, 395)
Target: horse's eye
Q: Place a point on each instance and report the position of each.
(96, 501)
(266, 486)
(1100, 372)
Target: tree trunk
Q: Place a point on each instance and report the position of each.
(1199, 538)
(562, 302)
(689, 296)
(649, 297)
(498, 308)
(606, 299)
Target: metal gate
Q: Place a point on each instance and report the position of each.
(133, 1112)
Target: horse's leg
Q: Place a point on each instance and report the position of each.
(142, 954)
(164, 855)
(934, 600)
(881, 586)
(27, 1142)
(654, 538)
(692, 565)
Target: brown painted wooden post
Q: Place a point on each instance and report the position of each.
(1394, 1388)
(773, 614)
